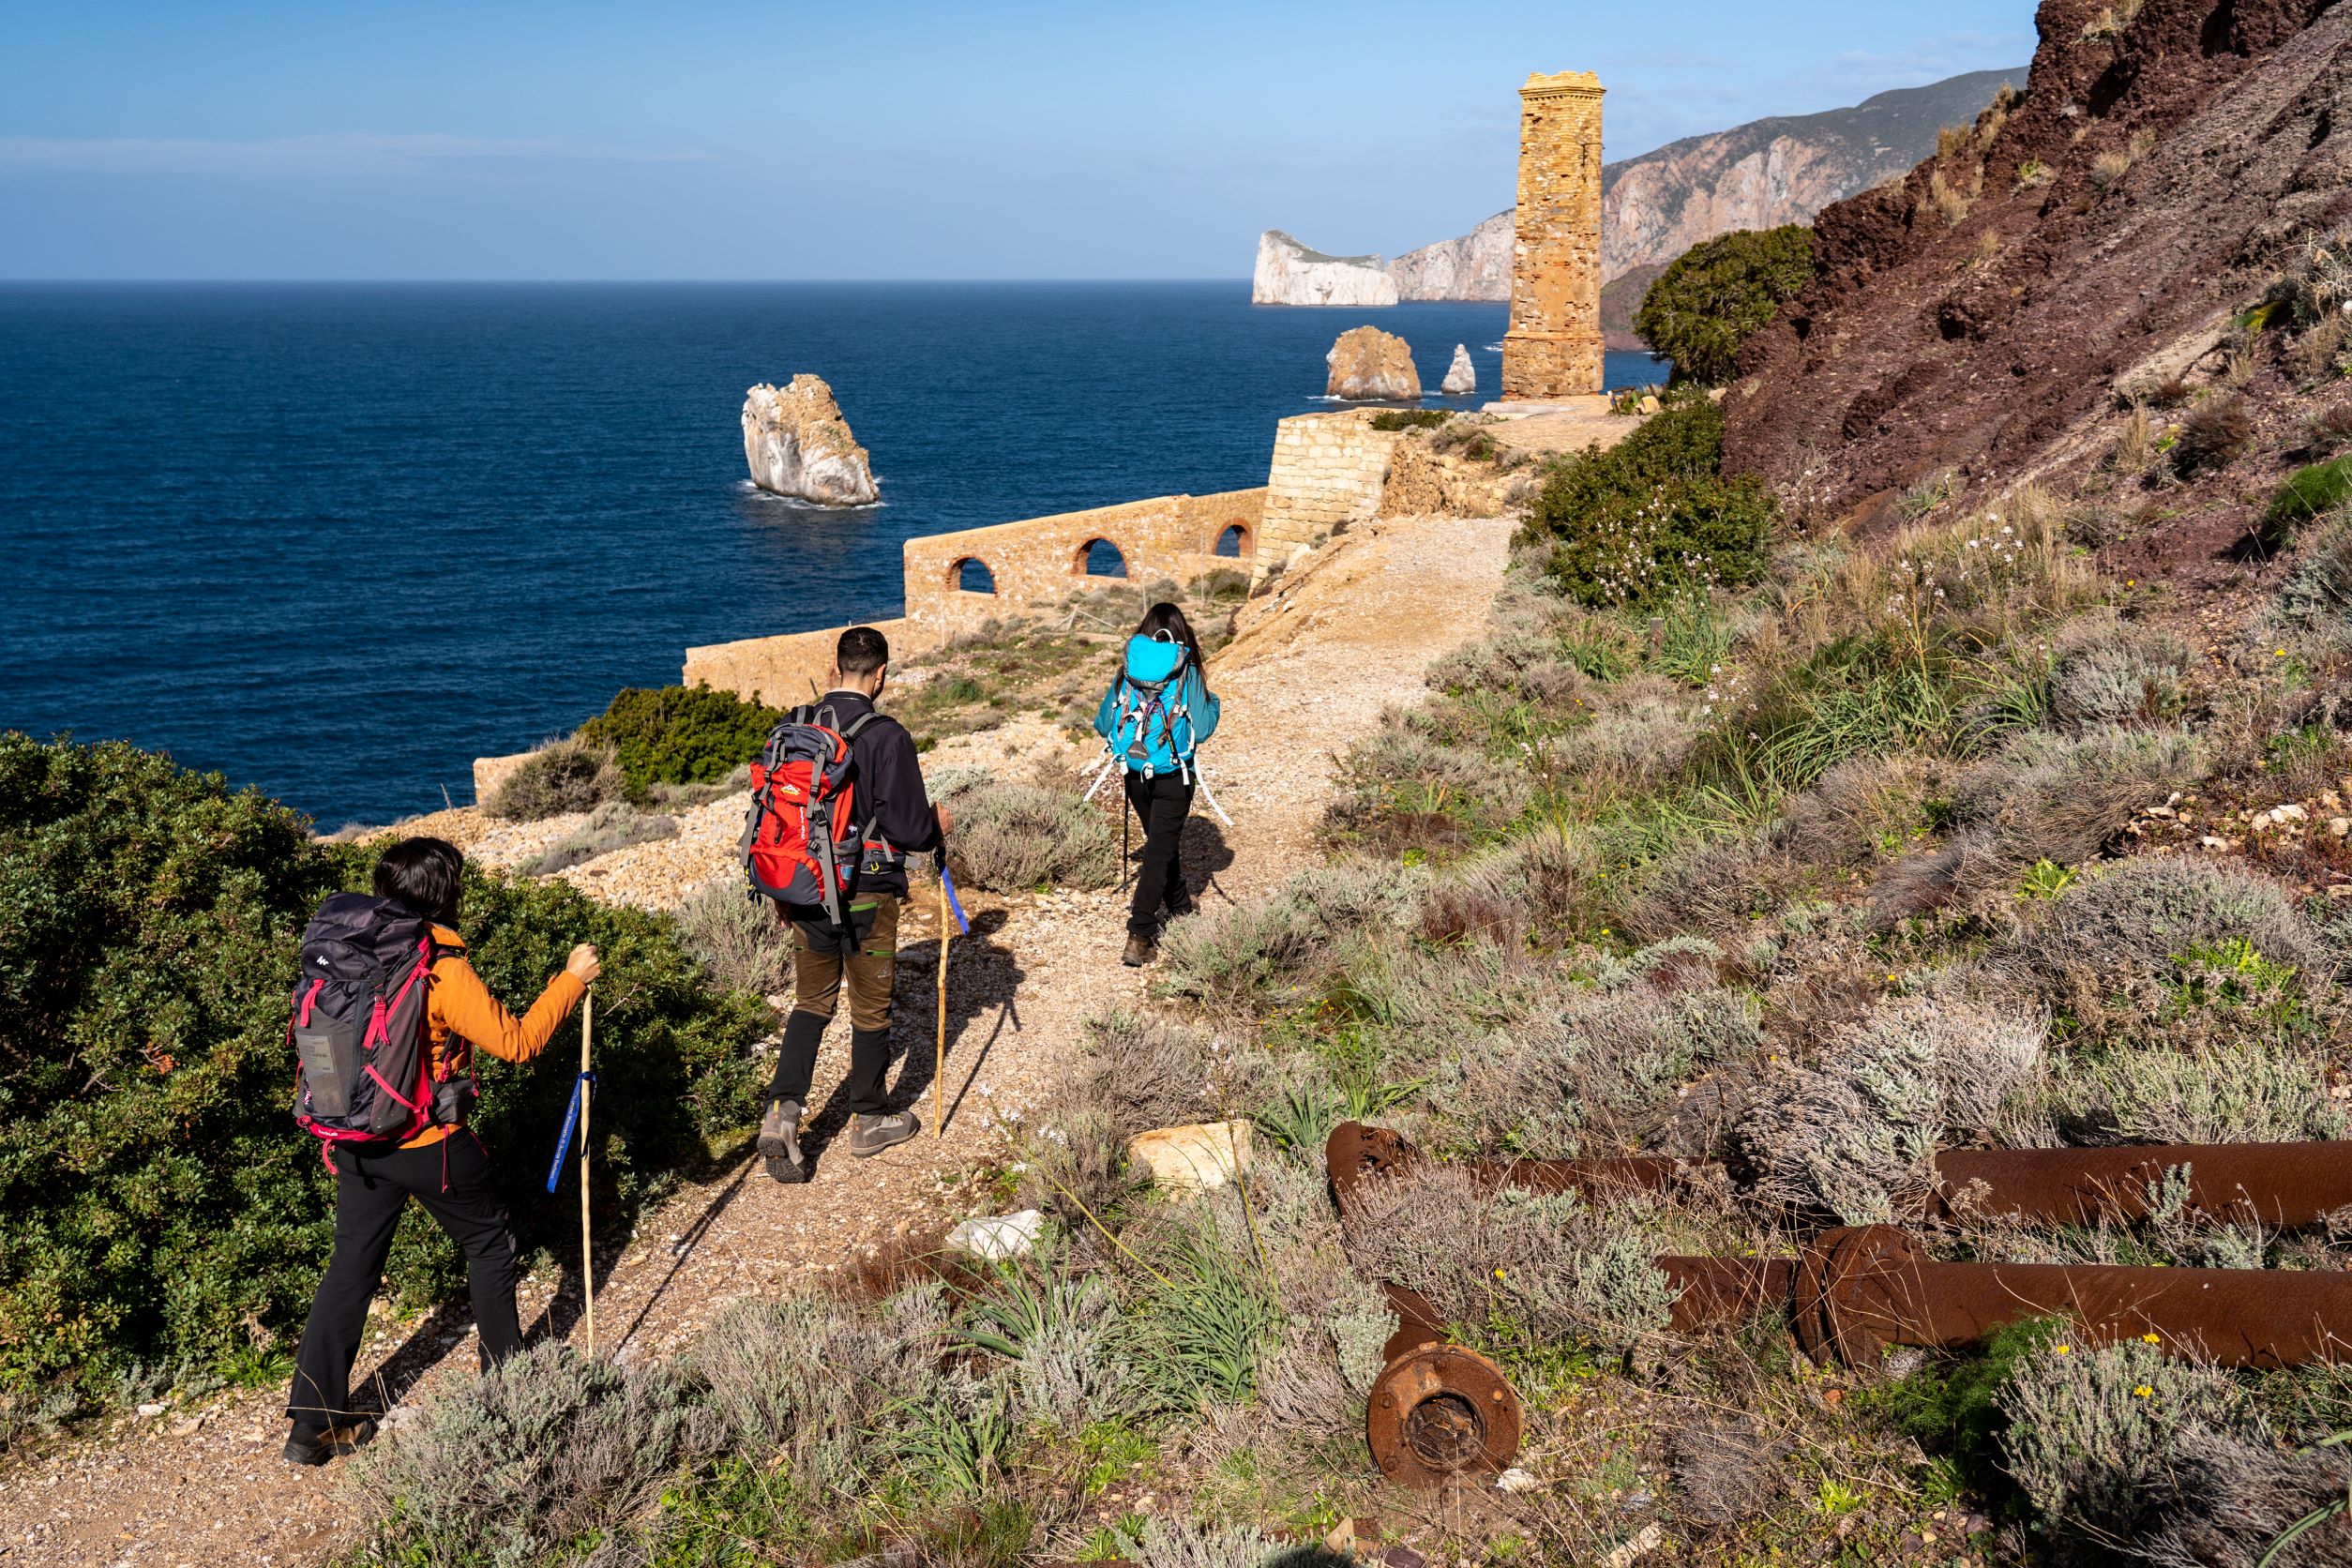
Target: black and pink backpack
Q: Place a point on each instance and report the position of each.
(363, 1050)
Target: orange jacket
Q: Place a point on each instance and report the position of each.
(460, 1004)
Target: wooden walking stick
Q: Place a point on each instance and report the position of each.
(938, 1052)
(587, 1258)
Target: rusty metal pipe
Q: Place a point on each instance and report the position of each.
(2282, 1185)
(1858, 1289)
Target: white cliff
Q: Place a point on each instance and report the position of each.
(797, 444)
(1287, 273)
(1477, 266)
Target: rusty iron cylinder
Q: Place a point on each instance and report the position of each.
(1439, 1412)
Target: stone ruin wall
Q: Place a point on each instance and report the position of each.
(1328, 471)
(1553, 349)
(1039, 562)
(1036, 563)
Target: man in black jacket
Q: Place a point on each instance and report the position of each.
(899, 820)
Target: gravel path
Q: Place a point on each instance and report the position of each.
(1309, 673)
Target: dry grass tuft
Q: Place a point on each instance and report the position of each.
(614, 826)
(2213, 434)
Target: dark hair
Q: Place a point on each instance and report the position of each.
(1166, 617)
(861, 651)
(426, 874)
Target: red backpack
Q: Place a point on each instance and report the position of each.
(801, 841)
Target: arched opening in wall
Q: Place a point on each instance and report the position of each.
(1233, 542)
(973, 576)
(1100, 558)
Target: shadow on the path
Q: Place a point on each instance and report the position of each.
(984, 978)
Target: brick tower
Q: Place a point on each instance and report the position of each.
(1553, 349)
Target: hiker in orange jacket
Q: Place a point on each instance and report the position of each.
(444, 1166)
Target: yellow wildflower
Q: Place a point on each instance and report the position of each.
(2065, 1350)
(2144, 1392)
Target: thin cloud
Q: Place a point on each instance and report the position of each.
(351, 155)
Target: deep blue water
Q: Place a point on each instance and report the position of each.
(338, 540)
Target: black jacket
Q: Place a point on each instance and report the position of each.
(889, 786)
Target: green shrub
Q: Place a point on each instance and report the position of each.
(1717, 295)
(2307, 493)
(680, 735)
(1651, 516)
(563, 775)
(1411, 418)
(158, 1204)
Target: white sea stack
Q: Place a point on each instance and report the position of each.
(1368, 364)
(1461, 377)
(1287, 273)
(798, 444)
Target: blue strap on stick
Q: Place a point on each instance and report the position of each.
(571, 1125)
(963, 926)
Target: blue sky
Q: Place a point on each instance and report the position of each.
(753, 141)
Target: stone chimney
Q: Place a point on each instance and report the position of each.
(1553, 349)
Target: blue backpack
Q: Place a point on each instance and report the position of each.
(1158, 711)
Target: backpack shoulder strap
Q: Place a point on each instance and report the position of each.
(857, 726)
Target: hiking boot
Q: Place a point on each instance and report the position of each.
(1140, 951)
(780, 1142)
(870, 1135)
(310, 1445)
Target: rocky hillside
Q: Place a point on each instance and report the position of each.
(2084, 247)
(1779, 169)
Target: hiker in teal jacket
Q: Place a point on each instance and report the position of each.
(1155, 714)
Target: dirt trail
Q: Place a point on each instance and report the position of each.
(1307, 674)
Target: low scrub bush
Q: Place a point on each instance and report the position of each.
(2328, 429)
(1013, 838)
(804, 1383)
(1537, 1269)
(2045, 797)
(1290, 941)
(543, 1460)
(2163, 1094)
(614, 826)
(680, 735)
(2107, 671)
(2098, 1437)
(563, 775)
(737, 936)
(1652, 515)
(2106, 957)
(2313, 608)
(1720, 292)
(150, 921)
(1411, 418)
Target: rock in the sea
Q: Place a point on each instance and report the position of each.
(1461, 377)
(1287, 273)
(1368, 364)
(798, 444)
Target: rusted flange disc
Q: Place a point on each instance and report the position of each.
(1355, 1154)
(1857, 1286)
(1440, 1411)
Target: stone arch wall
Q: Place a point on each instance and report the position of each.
(1042, 560)
(1243, 536)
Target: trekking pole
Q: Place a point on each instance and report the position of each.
(947, 905)
(587, 1259)
(938, 1050)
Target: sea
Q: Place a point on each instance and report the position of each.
(334, 541)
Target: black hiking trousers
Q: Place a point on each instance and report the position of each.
(1162, 802)
(452, 1179)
